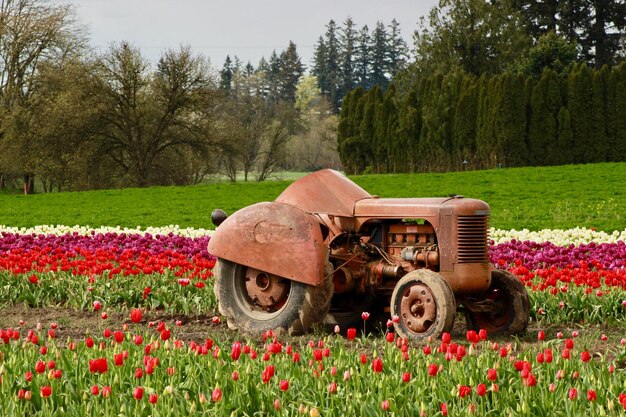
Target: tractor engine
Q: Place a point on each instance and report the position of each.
(377, 258)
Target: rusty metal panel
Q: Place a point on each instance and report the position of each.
(326, 191)
(274, 238)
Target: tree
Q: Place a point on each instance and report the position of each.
(362, 58)
(550, 51)
(32, 33)
(397, 50)
(347, 46)
(146, 115)
(602, 32)
(379, 57)
(289, 73)
(474, 35)
(226, 75)
(327, 64)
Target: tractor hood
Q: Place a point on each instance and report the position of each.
(326, 191)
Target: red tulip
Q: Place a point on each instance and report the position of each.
(97, 305)
(591, 395)
(481, 389)
(464, 391)
(444, 409)
(216, 395)
(406, 377)
(585, 356)
(492, 374)
(153, 398)
(365, 315)
(136, 315)
(235, 351)
(40, 367)
(106, 391)
(46, 391)
(572, 393)
(95, 390)
(118, 336)
(138, 393)
(433, 368)
(385, 405)
(541, 335)
(89, 342)
(284, 385)
(377, 365)
(390, 337)
(351, 334)
(332, 388)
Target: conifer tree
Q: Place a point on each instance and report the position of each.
(362, 58)
(347, 45)
(379, 57)
(578, 101)
(599, 115)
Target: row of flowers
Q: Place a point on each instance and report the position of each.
(150, 373)
(559, 237)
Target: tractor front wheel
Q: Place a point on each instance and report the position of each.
(424, 304)
(510, 306)
(255, 301)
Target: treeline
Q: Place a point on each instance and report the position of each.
(497, 83)
(461, 121)
(71, 119)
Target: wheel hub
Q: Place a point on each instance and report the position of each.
(266, 291)
(418, 309)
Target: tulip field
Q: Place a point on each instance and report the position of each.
(144, 337)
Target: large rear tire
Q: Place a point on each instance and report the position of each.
(511, 306)
(424, 304)
(255, 301)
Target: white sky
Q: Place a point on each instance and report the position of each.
(250, 29)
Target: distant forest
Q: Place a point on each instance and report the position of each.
(485, 84)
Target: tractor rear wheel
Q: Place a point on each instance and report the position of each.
(424, 304)
(255, 301)
(511, 306)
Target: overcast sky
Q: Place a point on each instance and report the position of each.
(250, 29)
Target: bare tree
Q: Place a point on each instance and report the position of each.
(146, 114)
(32, 32)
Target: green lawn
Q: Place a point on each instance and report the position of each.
(533, 198)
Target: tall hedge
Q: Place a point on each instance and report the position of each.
(459, 121)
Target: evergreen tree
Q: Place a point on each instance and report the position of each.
(347, 45)
(397, 51)
(616, 109)
(289, 73)
(368, 124)
(379, 57)
(542, 135)
(226, 75)
(362, 58)
(273, 78)
(510, 121)
(565, 139)
(599, 115)
(578, 101)
(464, 128)
(408, 132)
(603, 31)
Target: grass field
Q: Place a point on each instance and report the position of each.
(532, 198)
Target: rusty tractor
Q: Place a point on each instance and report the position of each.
(325, 250)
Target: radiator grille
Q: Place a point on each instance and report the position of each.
(472, 235)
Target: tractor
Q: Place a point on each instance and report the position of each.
(326, 250)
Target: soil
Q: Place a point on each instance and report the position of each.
(77, 325)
